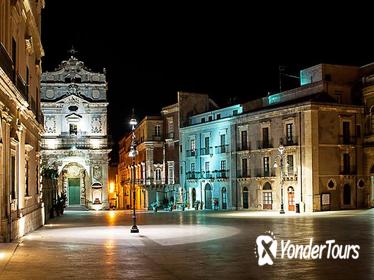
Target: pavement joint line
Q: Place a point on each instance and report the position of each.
(10, 257)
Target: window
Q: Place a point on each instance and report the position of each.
(266, 166)
(206, 141)
(210, 118)
(202, 120)
(193, 167)
(289, 131)
(171, 173)
(170, 125)
(37, 179)
(235, 112)
(346, 163)
(346, 132)
(338, 96)
(207, 166)
(223, 164)
(290, 165)
(193, 145)
(13, 176)
(14, 57)
(218, 116)
(158, 174)
(157, 130)
(265, 137)
(328, 77)
(73, 129)
(244, 167)
(27, 79)
(223, 139)
(244, 140)
(180, 148)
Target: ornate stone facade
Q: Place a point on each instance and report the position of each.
(75, 141)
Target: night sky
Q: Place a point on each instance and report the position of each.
(152, 52)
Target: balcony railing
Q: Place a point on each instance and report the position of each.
(349, 171)
(244, 146)
(265, 144)
(207, 175)
(265, 173)
(191, 175)
(206, 151)
(222, 149)
(243, 174)
(222, 173)
(289, 141)
(191, 153)
(347, 139)
(156, 137)
(6, 63)
(72, 142)
(22, 87)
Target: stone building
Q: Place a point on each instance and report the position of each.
(75, 141)
(206, 148)
(21, 122)
(157, 163)
(324, 129)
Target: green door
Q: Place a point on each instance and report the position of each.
(74, 191)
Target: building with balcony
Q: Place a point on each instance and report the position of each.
(75, 142)
(21, 122)
(325, 127)
(206, 150)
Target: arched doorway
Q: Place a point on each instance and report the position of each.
(267, 196)
(291, 198)
(245, 198)
(208, 196)
(347, 194)
(193, 199)
(73, 182)
(224, 198)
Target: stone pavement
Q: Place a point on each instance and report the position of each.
(188, 245)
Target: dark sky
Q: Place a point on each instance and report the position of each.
(152, 52)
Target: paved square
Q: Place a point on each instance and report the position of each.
(188, 245)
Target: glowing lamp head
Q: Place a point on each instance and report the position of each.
(132, 152)
(133, 122)
(275, 164)
(281, 149)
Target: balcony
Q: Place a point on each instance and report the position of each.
(222, 149)
(243, 174)
(347, 140)
(265, 173)
(156, 137)
(351, 170)
(222, 174)
(192, 175)
(244, 146)
(265, 144)
(207, 175)
(206, 151)
(72, 142)
(289, 141)
(6, 63)
(22, 87)
(191, 153)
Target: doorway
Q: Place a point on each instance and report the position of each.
(347, 194)
(245, 198)
(291, 199)
(74, 191)
(224, 198)
(208, 196)
(267, 196)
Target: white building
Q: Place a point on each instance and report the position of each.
(75, 141)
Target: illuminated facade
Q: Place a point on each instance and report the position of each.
(206, 151)
(75, 141)
(21, 124)
(325, 127)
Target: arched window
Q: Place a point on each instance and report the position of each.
(208, 196)
(267, 186)
(245, 198)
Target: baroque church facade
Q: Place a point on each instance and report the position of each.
(75, 143)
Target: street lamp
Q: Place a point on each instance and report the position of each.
(280, 156)
(132, 154)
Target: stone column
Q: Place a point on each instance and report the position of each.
(21, 165)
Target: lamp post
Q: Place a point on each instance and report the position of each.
(280, 156)
(132, 154)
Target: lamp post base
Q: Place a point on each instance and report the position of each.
(134, 229)
(282, 211)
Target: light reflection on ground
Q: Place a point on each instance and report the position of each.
(164, 235)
